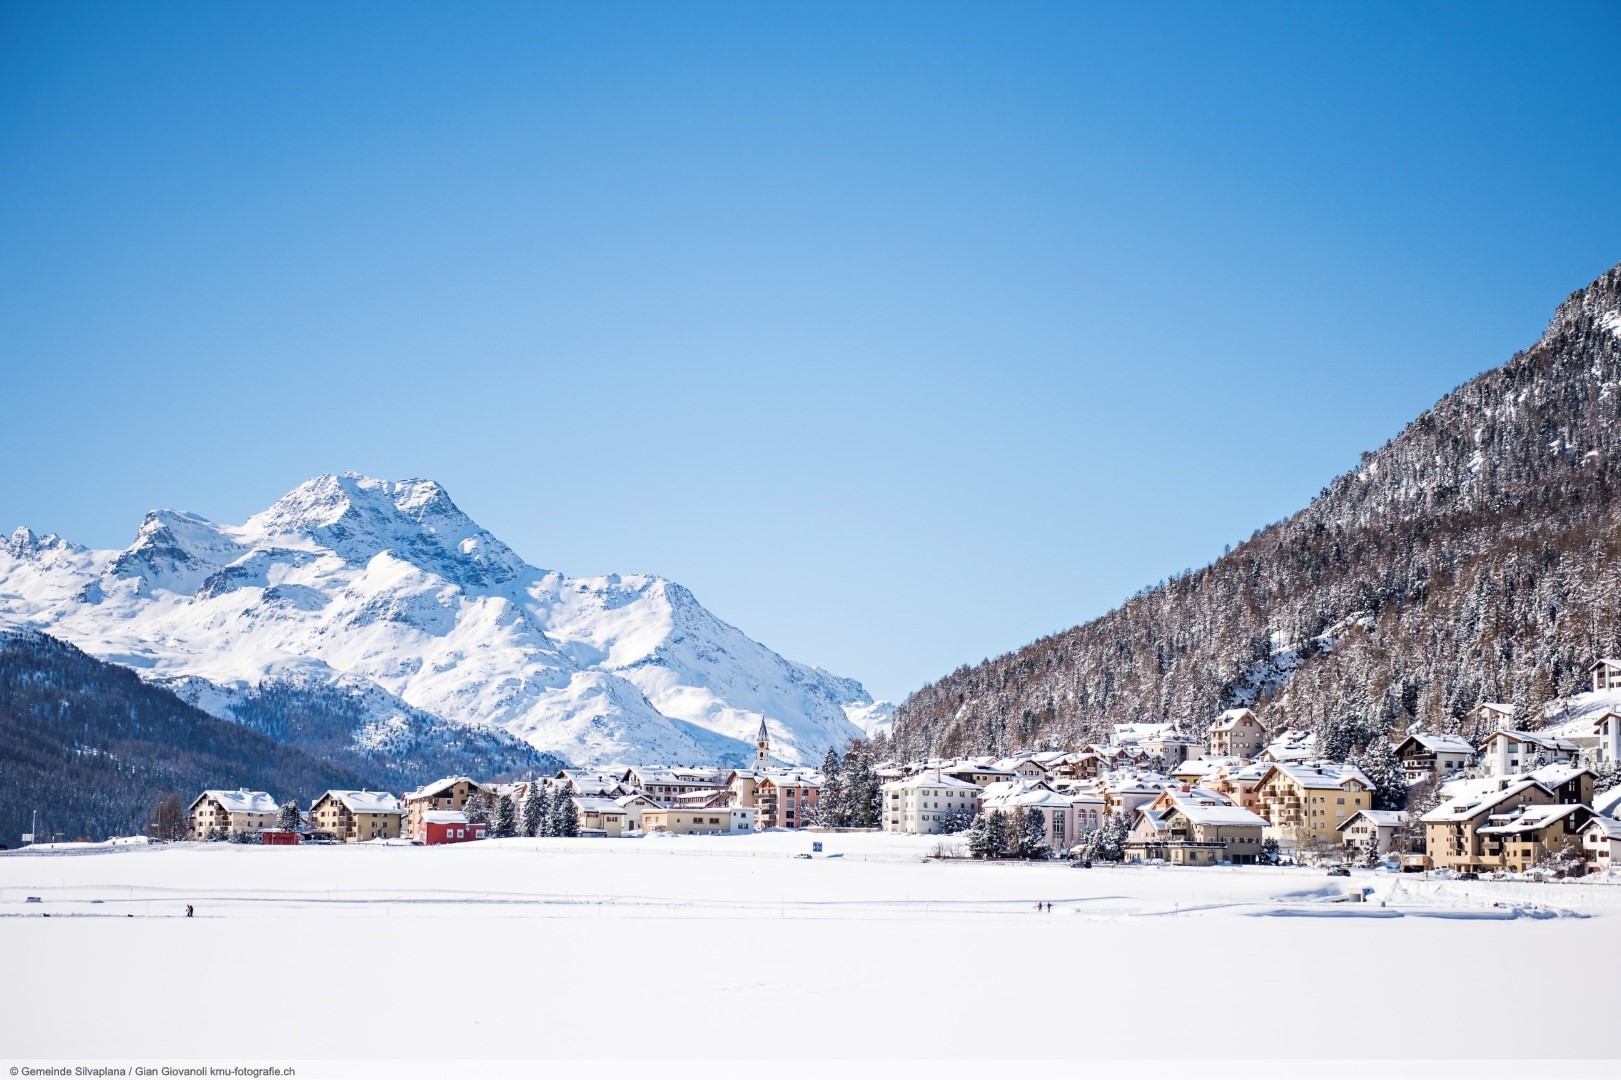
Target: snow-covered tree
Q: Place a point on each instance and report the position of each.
(1271, 852)
(565, 818)
(830, 800)
(1111, 845)
(956, 819)
(1032, 839)
(1378, 759)
(288, 818)
(477, 809)
(979, 838)
(536, 805)
(505, 820)
(997, 834)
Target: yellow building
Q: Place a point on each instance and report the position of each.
(352, 816)
(723, 819)
(1306, 805)
(233, 811)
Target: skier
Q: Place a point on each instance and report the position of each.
(188, 911)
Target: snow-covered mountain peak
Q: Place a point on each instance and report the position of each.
(358, 517)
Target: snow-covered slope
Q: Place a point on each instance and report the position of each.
(389, 592)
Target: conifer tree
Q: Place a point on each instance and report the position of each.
(535, 808)
(996, 834)
(288, 818)
(505, 821)
(830, 800)
(477, 809)
(1032, 841)
(565, 817)
(979, 838)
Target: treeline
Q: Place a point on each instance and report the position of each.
(96, 751)
(1474, 556)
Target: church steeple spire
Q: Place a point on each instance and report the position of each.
(762, 746)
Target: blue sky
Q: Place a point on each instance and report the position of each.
(902, 334)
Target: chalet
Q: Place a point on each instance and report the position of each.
(664, 783)
(1601, 843)
(447, 827)
(1306, 805)
(599, 815)
(919, 804)
(1197, 832)
(1527, 835)
(352, 816)
(634, 806)
(1509, 753)
(231, 811)
(1291, 746)
(595, 784)
(1427, 755)
(726, 819)
(1237, 733)
(450, 793)
(1025, 768)
(1496, 715)
(984, 773)
(1376, 827)
(1451, 830)
(1606, 674)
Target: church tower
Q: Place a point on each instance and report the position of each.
(762, 747)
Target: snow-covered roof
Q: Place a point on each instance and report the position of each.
(428, 791)
(1384, 819)
(1604, 661)
(444, 817)
(1534, 738)
(367, 802)
(1322, 774)
(594, 805)
(1231, 718)
(629, 800)
(928, 780)
(1205, 814)
(1474, 804)
(1607, 827)
(240, 801)
(1608, 803)
(1531, 818)
(1440, 743)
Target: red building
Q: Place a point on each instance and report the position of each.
(448, 827)
(277, 836)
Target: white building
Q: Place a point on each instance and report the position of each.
(917, 804)
(1509, 753)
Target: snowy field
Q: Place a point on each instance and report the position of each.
(731, 947)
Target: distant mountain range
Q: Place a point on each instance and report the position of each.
(1475, 555)
(375, 624)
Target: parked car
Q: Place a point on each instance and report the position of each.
(1338, 871)
(1468, 875)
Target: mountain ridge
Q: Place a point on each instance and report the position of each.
(388, 591)
(1469, 555)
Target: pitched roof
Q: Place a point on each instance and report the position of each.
(1608, 827)
(367, 802)
(1531, 818)
(1203, 814)
(444, 817)
(1322, 775)
(1440, 743)
(1474, 804)
(428, 791)
(1385, 819)
(240, 801)
(928, 780)
(1534, 738)
(1229, 719)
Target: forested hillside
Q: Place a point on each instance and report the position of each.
(93, 749)
(1476, 555)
